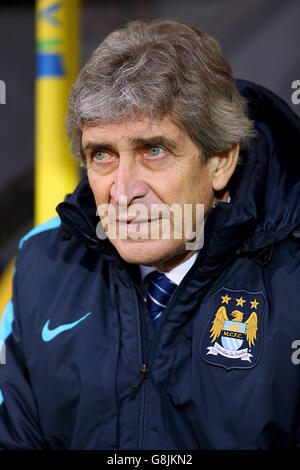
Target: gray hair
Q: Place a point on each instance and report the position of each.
(160, 68)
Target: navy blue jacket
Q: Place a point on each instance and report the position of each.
(84, 368)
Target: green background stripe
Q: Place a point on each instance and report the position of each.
(48, 42)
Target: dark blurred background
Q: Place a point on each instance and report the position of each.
(260, 38)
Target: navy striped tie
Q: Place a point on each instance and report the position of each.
(160, 289)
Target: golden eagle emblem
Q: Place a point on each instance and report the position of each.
(234, 328)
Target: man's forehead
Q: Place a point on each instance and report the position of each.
(133, 131)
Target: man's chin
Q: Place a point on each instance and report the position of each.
(146, 252)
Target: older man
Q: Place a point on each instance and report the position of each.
(132, 332)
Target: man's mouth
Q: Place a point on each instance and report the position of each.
(137, 226)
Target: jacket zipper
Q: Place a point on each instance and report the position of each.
(139, 380)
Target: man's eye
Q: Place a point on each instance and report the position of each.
(99, 155)
(156, 151)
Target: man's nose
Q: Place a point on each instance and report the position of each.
(128, 183)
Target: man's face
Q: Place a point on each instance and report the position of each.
(146, 162)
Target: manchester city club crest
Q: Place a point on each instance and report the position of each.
(234, 334)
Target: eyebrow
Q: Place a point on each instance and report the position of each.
(159, 141)
(96, 145)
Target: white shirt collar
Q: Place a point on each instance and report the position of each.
(176, 274)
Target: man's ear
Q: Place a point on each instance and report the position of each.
(222, 167)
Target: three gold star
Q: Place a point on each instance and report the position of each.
(240, 301)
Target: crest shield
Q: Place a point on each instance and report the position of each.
(232, 338)
(233, 335)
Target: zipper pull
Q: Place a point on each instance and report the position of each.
(138, 380)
